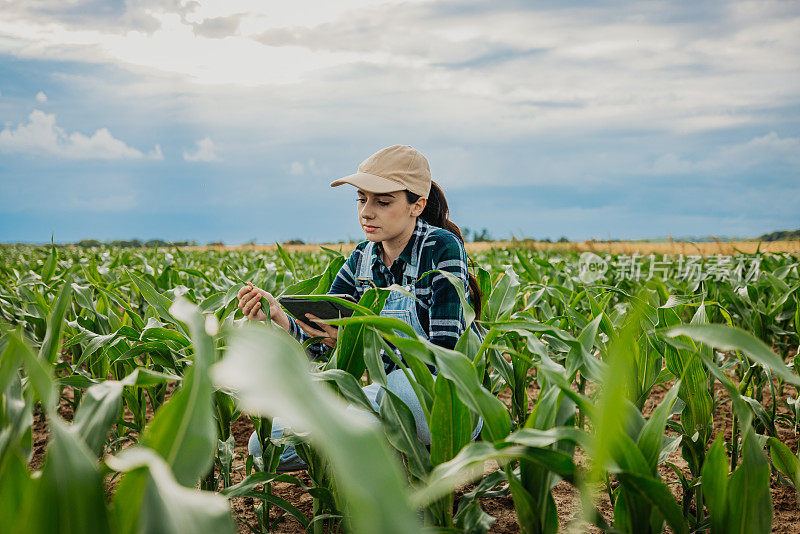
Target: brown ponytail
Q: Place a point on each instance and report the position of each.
(436, 213)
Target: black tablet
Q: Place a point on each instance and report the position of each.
(299, 305)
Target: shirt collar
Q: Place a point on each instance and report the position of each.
(411, 251)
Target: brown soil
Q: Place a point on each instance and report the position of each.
(785, 502)
(785, 499)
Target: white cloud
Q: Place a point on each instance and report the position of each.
(517, 71)
(41, 97)
(769, 148)
(298, 168)
(356, 74)
(206, 151)
(40, 135)
(156, 153)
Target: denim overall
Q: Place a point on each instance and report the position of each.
(397, 305)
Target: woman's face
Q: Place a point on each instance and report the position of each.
(386, 216)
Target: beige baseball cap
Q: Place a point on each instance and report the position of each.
(392, 169)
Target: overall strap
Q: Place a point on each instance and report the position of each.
(365, 265)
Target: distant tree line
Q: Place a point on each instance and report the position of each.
(134, 243)
(484, 236)
(474, 235)
(781, 235)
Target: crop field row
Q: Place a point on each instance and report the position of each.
(656, 396)
(687, 248)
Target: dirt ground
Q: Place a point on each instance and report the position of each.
(785, 502)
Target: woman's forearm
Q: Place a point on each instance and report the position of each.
(280, 318)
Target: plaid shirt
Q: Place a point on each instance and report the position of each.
(439, 309)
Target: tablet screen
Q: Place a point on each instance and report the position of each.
(299, 305)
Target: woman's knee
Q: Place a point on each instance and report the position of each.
(253, 444)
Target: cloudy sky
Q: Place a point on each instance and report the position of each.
(226, 119)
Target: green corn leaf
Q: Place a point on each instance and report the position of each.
(784, 461)
(554, 461)
(329, 275)
(50, 264)
(652, 436)
(658, 495)
(16, 413)
(102, 403)
(531, 437)
(450, 422)
(750, 502)
(99, 409)
(160, 304)
(97, 343)
(350, 347)
(372, 356)
(55, 323)
(415, 355)
(458, 368)
(83, 297)
(458, 285)
(9, 362)
(269, 373)
(69, 494)
(214, 302)
(40, 375)
(743, 412)
(589, 334)
(303, 287)
(159, 333)
(384, 324)
(466, 467)
(685, 364)
(524, 327)
(725, 337)
(143, 377)
(484, 279)
(609, 420)
(715, 485)
(503, 296)
(353, 330)
(166, 505)
(556, 374)
(197, 273)
(183, 430)
(137, 321)
(471, 518)
(524, 505)
(287, 260)
(284, 505)
(250, 482)
(16, 485)
(401, 431)
(348, 387)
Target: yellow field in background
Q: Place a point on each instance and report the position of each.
(613, 247)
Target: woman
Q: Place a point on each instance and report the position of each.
(404, 215)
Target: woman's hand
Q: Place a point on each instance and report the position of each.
(329, 334)
(250, 304)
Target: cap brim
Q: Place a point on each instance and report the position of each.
(370, 183)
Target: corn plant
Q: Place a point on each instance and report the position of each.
(128, 330)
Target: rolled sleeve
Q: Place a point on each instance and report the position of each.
(343, 283)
